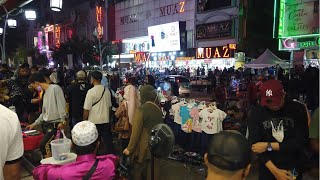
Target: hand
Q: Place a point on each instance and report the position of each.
(34, 101)
(60, 126)
(281, 174)
(30, 127)
(259, 147)
(126, 152)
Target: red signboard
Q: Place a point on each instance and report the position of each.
(99, 21)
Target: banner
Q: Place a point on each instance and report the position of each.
(299, 19)
(216, 30)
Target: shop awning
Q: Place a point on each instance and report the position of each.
(267, 59)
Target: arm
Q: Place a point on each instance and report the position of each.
(136, 131)
(301, 132)
(87, 106)
(85, 114)
(255, 129)
(12, 170)
(61, 103)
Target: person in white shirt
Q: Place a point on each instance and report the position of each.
(53, 113)
(96, 109)
(11, 149)
(130, 96)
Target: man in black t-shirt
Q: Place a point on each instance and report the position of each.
(278, 132)
(76, 94)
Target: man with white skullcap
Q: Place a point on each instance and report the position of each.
(85, 144)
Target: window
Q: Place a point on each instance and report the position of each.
(208, 5)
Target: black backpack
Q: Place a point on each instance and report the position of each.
(113, 100)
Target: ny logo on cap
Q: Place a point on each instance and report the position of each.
(269, 93)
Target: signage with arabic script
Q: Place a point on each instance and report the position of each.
(215, 52)
(216, 30)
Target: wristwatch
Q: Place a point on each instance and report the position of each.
(269, 147)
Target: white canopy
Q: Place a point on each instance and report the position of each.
(267, 59)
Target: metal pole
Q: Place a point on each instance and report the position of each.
(4, 61)
(101, 61)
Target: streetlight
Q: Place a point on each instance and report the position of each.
(12, 23)
(30, 14)
(56, 5)
(1, 31)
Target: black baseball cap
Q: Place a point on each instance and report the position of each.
(229, 150)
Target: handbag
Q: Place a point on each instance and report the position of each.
(123, 123)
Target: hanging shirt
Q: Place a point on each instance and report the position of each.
(186, 121)
(175, 111)
(212, 120)
(196, 124)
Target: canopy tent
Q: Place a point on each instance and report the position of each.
(267, 59)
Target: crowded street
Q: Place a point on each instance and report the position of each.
(159, 90)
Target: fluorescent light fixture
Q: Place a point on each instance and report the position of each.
(30, 14)
(56, 5)
(12, 23)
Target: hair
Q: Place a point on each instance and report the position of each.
(24, 65)
(37, 77)
(132, 80)
(45, 72)
(35, 67)
(151, 80)
(96, 75)
(83, 150)
(4, 66)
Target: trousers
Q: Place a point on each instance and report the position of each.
(105, 136)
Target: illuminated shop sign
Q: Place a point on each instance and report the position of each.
(164, 37)
(185, 58)
(216, 30)
(49, 29)
(128, 19)
(142, 57)
(40, 43)
(172, 9)
(99, 21)
(57, 35)
(216, 52)
(298, 43)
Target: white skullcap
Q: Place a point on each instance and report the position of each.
(84, 133)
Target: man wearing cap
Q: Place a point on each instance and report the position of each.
(278, 132)
(224, 161)
(76, 93)
(85, 144)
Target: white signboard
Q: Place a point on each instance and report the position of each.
(164, 37)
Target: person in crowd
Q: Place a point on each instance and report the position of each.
(76, 94)
(130, 97)
(46, 74)
(53, 115)
(96, 109)
(236, 120)
(175, 88)
(220, 94)
(14, 98)
(85, 145)
(314, 132)
(225, 162)
(149, 80)
(11, 149)
(34, 69)
(167, 86)
(5, 72)
(278, 132)
(123, 126)
(146, 117)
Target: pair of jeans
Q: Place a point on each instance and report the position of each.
(50, 131)
(105, 136)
